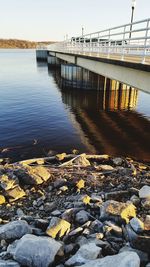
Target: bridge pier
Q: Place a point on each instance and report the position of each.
(41, 55)
(78, 77)
(53, 61)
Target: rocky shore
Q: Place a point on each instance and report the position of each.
(75, 210)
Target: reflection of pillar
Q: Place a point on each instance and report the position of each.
(111, 94)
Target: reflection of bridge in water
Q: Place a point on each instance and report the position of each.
(105, 118)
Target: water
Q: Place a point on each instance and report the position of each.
(40, 113)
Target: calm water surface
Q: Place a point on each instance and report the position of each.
(39, 113)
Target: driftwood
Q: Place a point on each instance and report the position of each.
(41, 161)
(72, 157)
(96, 157)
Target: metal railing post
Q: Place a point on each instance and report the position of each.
(90, 44)
(109, 44)
(145, 42)
(123, 43)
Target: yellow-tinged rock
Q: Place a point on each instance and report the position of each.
(86, 199)
(2, 199)
(80, 184)
(16, 193)
(120, 210)
(6, 182)
(81, 161)
(58, 227)
(60, 156)
(142, 167)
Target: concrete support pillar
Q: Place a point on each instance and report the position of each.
(53, 61)
(77, 77)
(41, 55)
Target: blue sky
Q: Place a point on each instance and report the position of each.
(53, 19)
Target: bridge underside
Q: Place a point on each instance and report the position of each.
(134, 74)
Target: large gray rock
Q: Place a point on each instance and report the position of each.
(14, 230)
(124, 259)
(85, 253)
(141, 242)
(33, 251)
(142, 255)
(9, 263)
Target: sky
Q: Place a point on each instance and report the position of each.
(51, 20)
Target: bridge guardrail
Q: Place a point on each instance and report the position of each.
(131, 39)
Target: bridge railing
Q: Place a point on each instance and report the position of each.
(123, 41)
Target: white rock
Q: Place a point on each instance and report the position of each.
(35, 251)
(144, 192)
(85, 253)
(124, 259)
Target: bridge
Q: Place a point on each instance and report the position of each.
(121, 53)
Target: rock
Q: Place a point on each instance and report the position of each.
(141, 242)
(137, 225)
(61, 157)
(42, 224)
(81, 161)
(117, 161)
(2, 199)
(124, 259)
(50, 206)
(16, 193)
(142, 255)
(20, 212)
(135, 200)
(56, 213)
(64, 188)
(69, 214)
(33, 251)
(14, 230)
(117, 211)
(82, 217)
(96, 198)
(146, 203)
(114, 229)
(68, 249)
(81, 240)
(105, 167)
(58, 227)
(7, 182)
(32, 175)
(59, 183)
(85, 253)
(76, 231)
(96, 227)
(144, 192)
(147, 223)
(9, 263)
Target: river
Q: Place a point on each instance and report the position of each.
(40, 114)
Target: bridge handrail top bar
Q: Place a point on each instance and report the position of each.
(114, 28)
(122, 40)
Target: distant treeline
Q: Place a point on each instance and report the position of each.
(14, 43)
